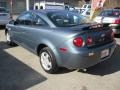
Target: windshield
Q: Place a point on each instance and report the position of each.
(3, 10)
(116, 13)
(111, 13)
(66, 19)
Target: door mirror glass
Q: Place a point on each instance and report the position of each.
(16, 22)
(12, 22)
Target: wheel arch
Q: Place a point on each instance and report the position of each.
(6, 30)
(52, 48)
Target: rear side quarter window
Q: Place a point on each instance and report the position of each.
(38, 21)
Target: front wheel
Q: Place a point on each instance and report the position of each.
(48, 61)
(8, 39)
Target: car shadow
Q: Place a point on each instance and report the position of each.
(2, 27)
(14, 74)
(117, 35)
(109, 66)
(63, 70)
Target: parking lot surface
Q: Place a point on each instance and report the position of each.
(20, 70)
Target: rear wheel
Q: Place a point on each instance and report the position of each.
(48, 61)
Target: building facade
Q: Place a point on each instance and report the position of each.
(22, 5)
(16, 6)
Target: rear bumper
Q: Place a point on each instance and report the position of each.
(115, 28)
(83, 59)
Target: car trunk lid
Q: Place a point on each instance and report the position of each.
(100, 34)
(97, 35)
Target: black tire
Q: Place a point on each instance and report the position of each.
(9, 42)
(54, 68)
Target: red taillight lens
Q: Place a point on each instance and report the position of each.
(89, 41)
(78, 42)
(117, 21)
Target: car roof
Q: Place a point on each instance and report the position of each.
(111, 9)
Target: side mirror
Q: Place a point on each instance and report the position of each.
(15, 22)
(12, 22)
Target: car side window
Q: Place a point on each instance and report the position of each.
(20, 20)
(28, 19)
(107, 13)
(25, 19)
(101, 14)
(38, 21)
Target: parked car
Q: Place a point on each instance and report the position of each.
(4, 16)
(111, 16)
(48, 5)
(61, 39)
(85, 7)
(86, 13)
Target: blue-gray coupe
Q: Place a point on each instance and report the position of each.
(61, 38)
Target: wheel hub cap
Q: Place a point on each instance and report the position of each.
(45, 61)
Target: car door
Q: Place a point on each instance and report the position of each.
(26, 29)
(33, 31)
(99, 18)
(17, 29)
(108, 17)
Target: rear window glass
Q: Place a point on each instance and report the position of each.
(112, 13)
(66, 19)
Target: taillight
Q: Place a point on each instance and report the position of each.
(78, 42)
(117, 21)
(89, 41)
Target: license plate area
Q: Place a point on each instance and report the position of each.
(104, 53)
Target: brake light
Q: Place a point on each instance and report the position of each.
(78, 42)
(117, 21)
(89, 41)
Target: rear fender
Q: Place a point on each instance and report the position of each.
(54, 49)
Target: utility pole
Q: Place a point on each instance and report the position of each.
(27, 5)
(11, 10)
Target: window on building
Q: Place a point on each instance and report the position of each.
(3, 4)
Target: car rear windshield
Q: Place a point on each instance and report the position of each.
(3, 10)
(66, 19)
(113, 13)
